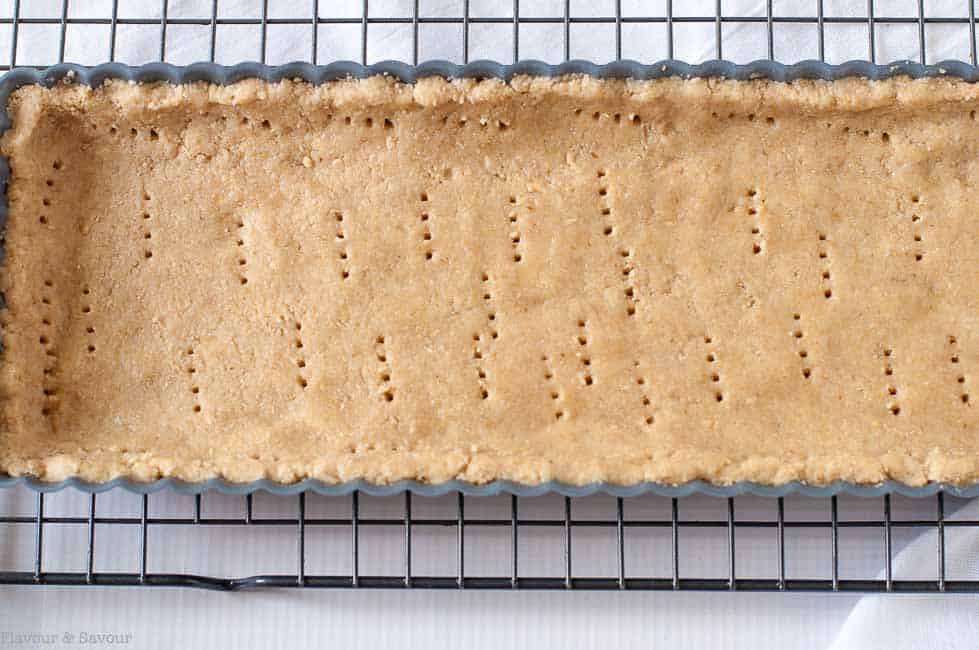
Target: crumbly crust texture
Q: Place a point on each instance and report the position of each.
(565, 279)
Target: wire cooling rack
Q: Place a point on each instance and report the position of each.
(184, 31)
(638, 543)
(456, 542)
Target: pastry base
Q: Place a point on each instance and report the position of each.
(553, 279)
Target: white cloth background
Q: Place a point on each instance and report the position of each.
(164, 618)
(916, 621)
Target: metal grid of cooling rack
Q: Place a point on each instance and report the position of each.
(457, 542)
(668, 22)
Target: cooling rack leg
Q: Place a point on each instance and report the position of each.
(301, 541)
(780, 542)
(144, 512)
(921, 31)
(90, 555)
(14, 29)
(263, 42)
(63, 31)
(513, 542)
(516, 30)
(972, 31)
(39, 538)
(407, 539)
(888, 569)
(834, 543)
(567, 543)
(675, 529)
(363, 35)
(214, 30)
(871, 44)
(461, 540)
(314, 36)
(465, 31)
(732, 580)
(355, 539)
(618, 29)
(414, 34)
(113, 25)
(164, 11)
(620, 540)
(718, 34)
(941, 540)
(567, 30)
(821, 31)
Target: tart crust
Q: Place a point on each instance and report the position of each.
(548, 279)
